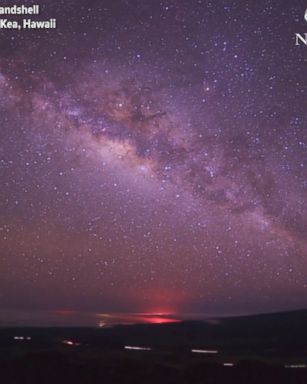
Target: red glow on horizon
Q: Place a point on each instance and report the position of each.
(160, 320)
(158, 317)
(139, 318)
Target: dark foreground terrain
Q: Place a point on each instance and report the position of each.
(254, 349)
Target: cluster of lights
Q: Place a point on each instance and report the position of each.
(136, 348)
(22, 338)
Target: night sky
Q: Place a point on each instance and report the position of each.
(153, 158)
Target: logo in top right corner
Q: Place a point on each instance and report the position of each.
(301, 38)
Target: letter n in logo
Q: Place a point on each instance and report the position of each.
(300, 39)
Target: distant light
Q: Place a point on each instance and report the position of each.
(204, 351)
(137, 348)
(22, 338)
(18, 338)
(101, 324)
(71, 343)
(296, 366)
(228, 364)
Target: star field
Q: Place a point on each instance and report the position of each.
(153, 158)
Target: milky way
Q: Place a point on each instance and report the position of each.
(153, 158)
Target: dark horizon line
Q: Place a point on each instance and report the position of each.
(148, 315)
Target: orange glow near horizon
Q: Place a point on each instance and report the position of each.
(109, 319)
(140, 318)
(160, 320)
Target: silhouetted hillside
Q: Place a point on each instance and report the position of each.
(256, 349)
